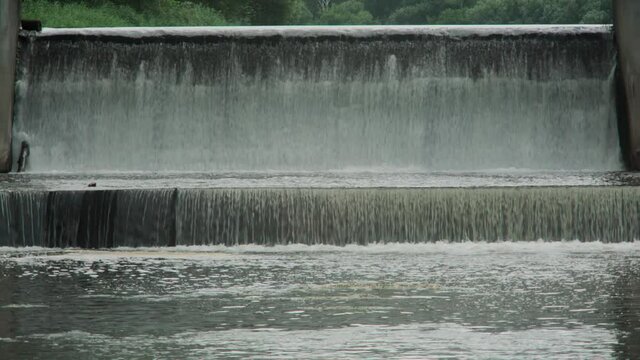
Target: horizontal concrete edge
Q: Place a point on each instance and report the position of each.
(326, 31)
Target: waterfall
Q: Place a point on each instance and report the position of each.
(423, 98)
(271, 216)
(426, 100)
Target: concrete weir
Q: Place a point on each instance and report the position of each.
(9, 26)
(330, 216)
(627, 27)
(316, 100)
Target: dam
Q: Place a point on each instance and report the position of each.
(357, 125)
(376, 191)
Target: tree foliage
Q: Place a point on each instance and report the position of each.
(120, 13)
(349, 12)
(81, 13)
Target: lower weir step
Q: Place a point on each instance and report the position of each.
(271, 216)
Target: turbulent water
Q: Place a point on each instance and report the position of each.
(493, 301)
(421, 98)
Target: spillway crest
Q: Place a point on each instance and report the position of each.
(315, 99)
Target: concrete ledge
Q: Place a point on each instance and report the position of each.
(9, 26)
(627, 28)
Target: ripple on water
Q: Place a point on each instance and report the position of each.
(499, 300)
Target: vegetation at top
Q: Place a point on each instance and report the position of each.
(92, 13)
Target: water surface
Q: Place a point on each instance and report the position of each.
(502, 300)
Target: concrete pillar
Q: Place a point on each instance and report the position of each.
(627, 27)
(9, 26)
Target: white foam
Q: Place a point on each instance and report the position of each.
(436, 247)
(219, 253)
(24, 306)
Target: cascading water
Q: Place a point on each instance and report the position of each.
(263, 102)
(317, 216)
(316, 99)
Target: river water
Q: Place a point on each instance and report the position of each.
(439, 300)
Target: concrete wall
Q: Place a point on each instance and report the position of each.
(9, 25)
(627, 25)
